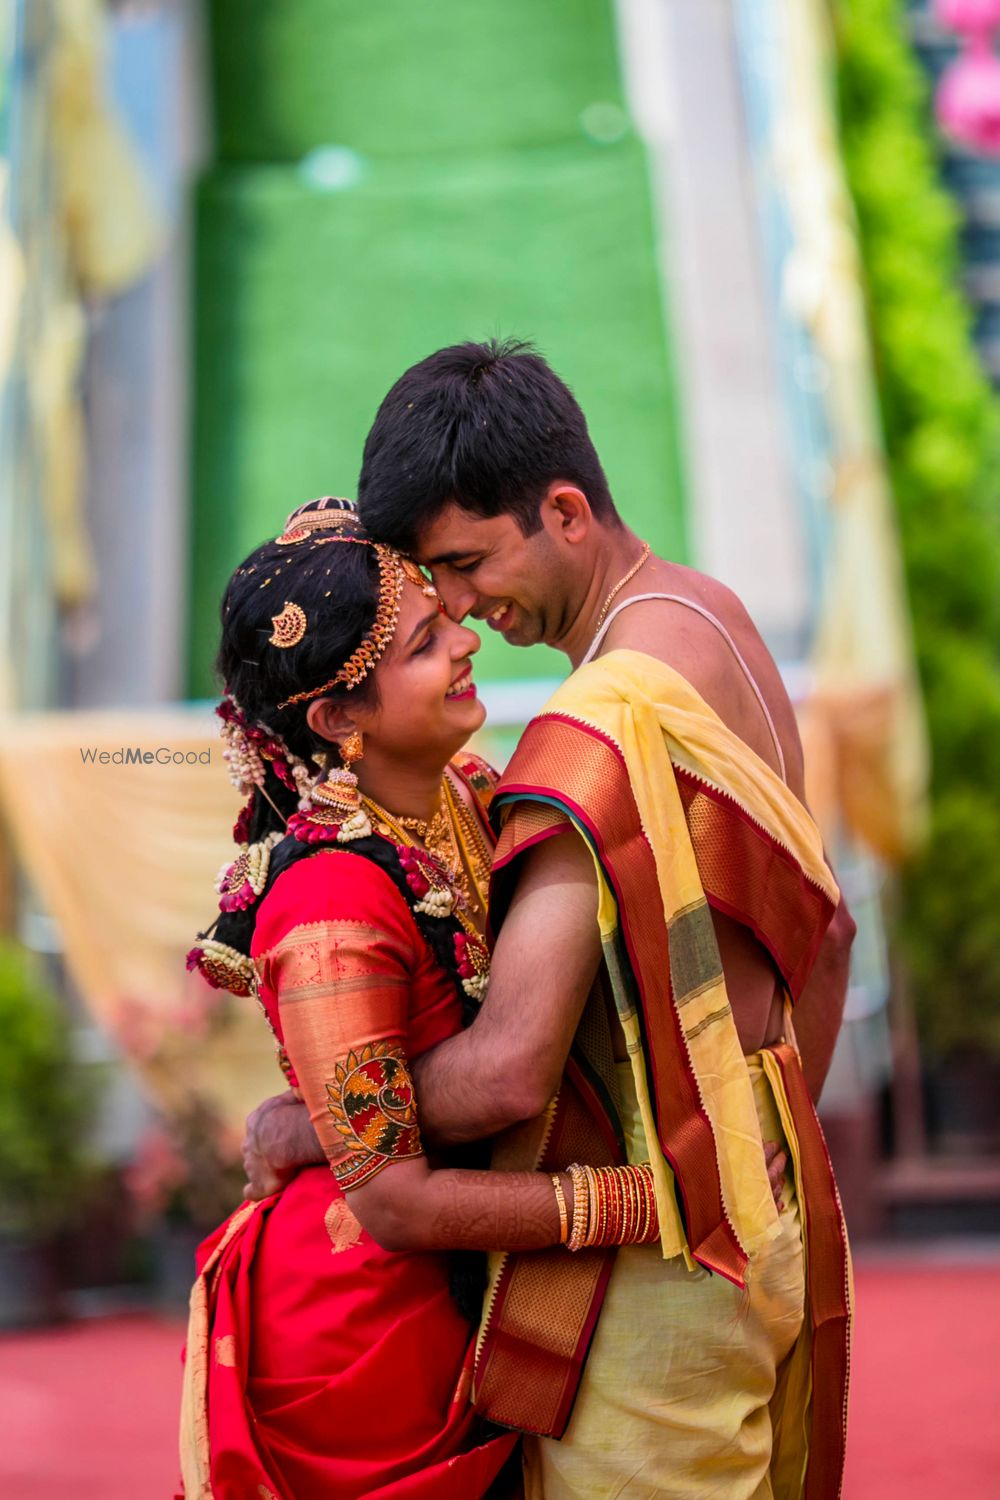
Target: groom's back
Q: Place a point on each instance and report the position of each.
(702, 651)
(681, 636)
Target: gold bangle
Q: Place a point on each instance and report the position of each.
(612, 1185)
(581, 1202)
(629, 1213)
(593, 1196)
(563, 1210)
(650, 1227)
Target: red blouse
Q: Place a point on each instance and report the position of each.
(352, 991)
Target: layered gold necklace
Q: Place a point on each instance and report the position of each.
(452, 836)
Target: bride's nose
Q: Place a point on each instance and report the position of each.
(466, 642)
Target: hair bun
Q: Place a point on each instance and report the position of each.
(325, 503)
(331, 513)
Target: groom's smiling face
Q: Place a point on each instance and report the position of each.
(484, 566)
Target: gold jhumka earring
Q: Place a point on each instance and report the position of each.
(353, 749)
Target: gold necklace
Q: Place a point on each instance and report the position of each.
(400, 823)
(646, 549)
(452, 837)
(473, 956)
(471, 847)
(435, 833)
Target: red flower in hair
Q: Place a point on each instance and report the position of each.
(241, 828)
(416, 877)
(309, 829)
(465, 968)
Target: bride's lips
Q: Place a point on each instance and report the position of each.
(462, 687)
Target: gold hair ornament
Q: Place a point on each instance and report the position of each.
(391, 577)
(317, 515)
(289, 626)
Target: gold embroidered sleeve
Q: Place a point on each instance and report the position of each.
(343, 998)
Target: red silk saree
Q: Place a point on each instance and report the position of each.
(320, 1366)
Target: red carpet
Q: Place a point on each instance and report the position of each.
(90, 1410)
(925, 1396)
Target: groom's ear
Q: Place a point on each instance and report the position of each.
(566, 512)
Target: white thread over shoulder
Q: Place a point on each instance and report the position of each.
(713, 620)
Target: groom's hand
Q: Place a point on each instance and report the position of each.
(279, 1140)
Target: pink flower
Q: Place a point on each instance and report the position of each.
(155, 1172)
(968, 15)
(139, 1030)
(465, 968)
(302, 827)
(416, 878)
(968, 98)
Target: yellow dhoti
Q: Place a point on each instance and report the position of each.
(717, 1364)
(675, 1399)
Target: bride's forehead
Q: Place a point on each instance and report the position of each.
(414, 607)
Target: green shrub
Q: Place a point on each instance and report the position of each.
(952, 900)
(942, 429)
(43, 1103)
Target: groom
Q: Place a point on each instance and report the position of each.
(661, 789)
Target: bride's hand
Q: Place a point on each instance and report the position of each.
(279, 1140)
(777, 1160)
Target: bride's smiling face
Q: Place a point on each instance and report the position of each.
(425, 706)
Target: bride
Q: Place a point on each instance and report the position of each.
(332, 1324)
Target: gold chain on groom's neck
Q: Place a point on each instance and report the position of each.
(633, 570)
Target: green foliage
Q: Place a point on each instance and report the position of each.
(942, 426)
(43, 1105)
(953, 898)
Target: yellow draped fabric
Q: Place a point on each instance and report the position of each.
(89, 227)
(862, 726)
(693, 1388)
(696, 1387)
(11, 279)
(113, 227)
(658, 720)
(124, 858)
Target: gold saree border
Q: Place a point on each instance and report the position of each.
(543, 1309)
(829, 1289)
(195, 1454)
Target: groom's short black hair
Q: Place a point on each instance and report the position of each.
(489, 426)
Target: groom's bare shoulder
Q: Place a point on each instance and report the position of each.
(683, 639)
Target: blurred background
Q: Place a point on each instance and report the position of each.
(761, 241)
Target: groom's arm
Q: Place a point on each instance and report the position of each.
(508, 1064)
